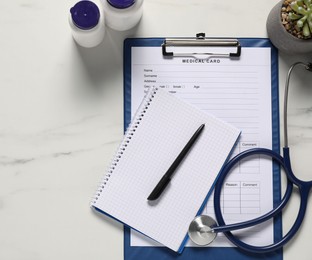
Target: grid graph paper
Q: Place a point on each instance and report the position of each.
(158, 132)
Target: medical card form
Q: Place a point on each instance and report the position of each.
(237, 91)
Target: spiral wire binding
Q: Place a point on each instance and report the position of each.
(122, 148)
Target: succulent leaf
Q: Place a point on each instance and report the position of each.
(306, 30)
(303, 14)
(301, 22)
(293, 16)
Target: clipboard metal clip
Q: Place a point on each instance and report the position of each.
(201, 41)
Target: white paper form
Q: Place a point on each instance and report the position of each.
(237, 91)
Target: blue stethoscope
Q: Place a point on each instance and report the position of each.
(203, 229)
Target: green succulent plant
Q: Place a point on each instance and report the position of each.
(302, 15)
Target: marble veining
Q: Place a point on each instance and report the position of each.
(61, 120)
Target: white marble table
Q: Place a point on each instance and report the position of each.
(61, 118)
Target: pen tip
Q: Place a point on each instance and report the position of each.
(151, 198)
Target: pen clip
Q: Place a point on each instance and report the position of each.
(201, 41)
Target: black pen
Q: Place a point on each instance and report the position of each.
(164, 181)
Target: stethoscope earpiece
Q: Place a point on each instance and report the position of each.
(309, 66)
(201, 230)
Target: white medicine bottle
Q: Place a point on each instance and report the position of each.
(87, 23)
(122, 15)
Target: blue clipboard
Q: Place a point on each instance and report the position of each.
(212, 253)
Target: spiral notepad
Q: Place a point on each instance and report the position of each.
(158, 132)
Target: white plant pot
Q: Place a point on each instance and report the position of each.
(283, 40)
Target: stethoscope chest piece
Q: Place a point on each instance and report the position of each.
(200, 230)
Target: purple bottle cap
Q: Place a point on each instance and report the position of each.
(85, 15)
(121, 4)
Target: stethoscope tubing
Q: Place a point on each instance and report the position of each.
(221, 179)
(304, 188)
